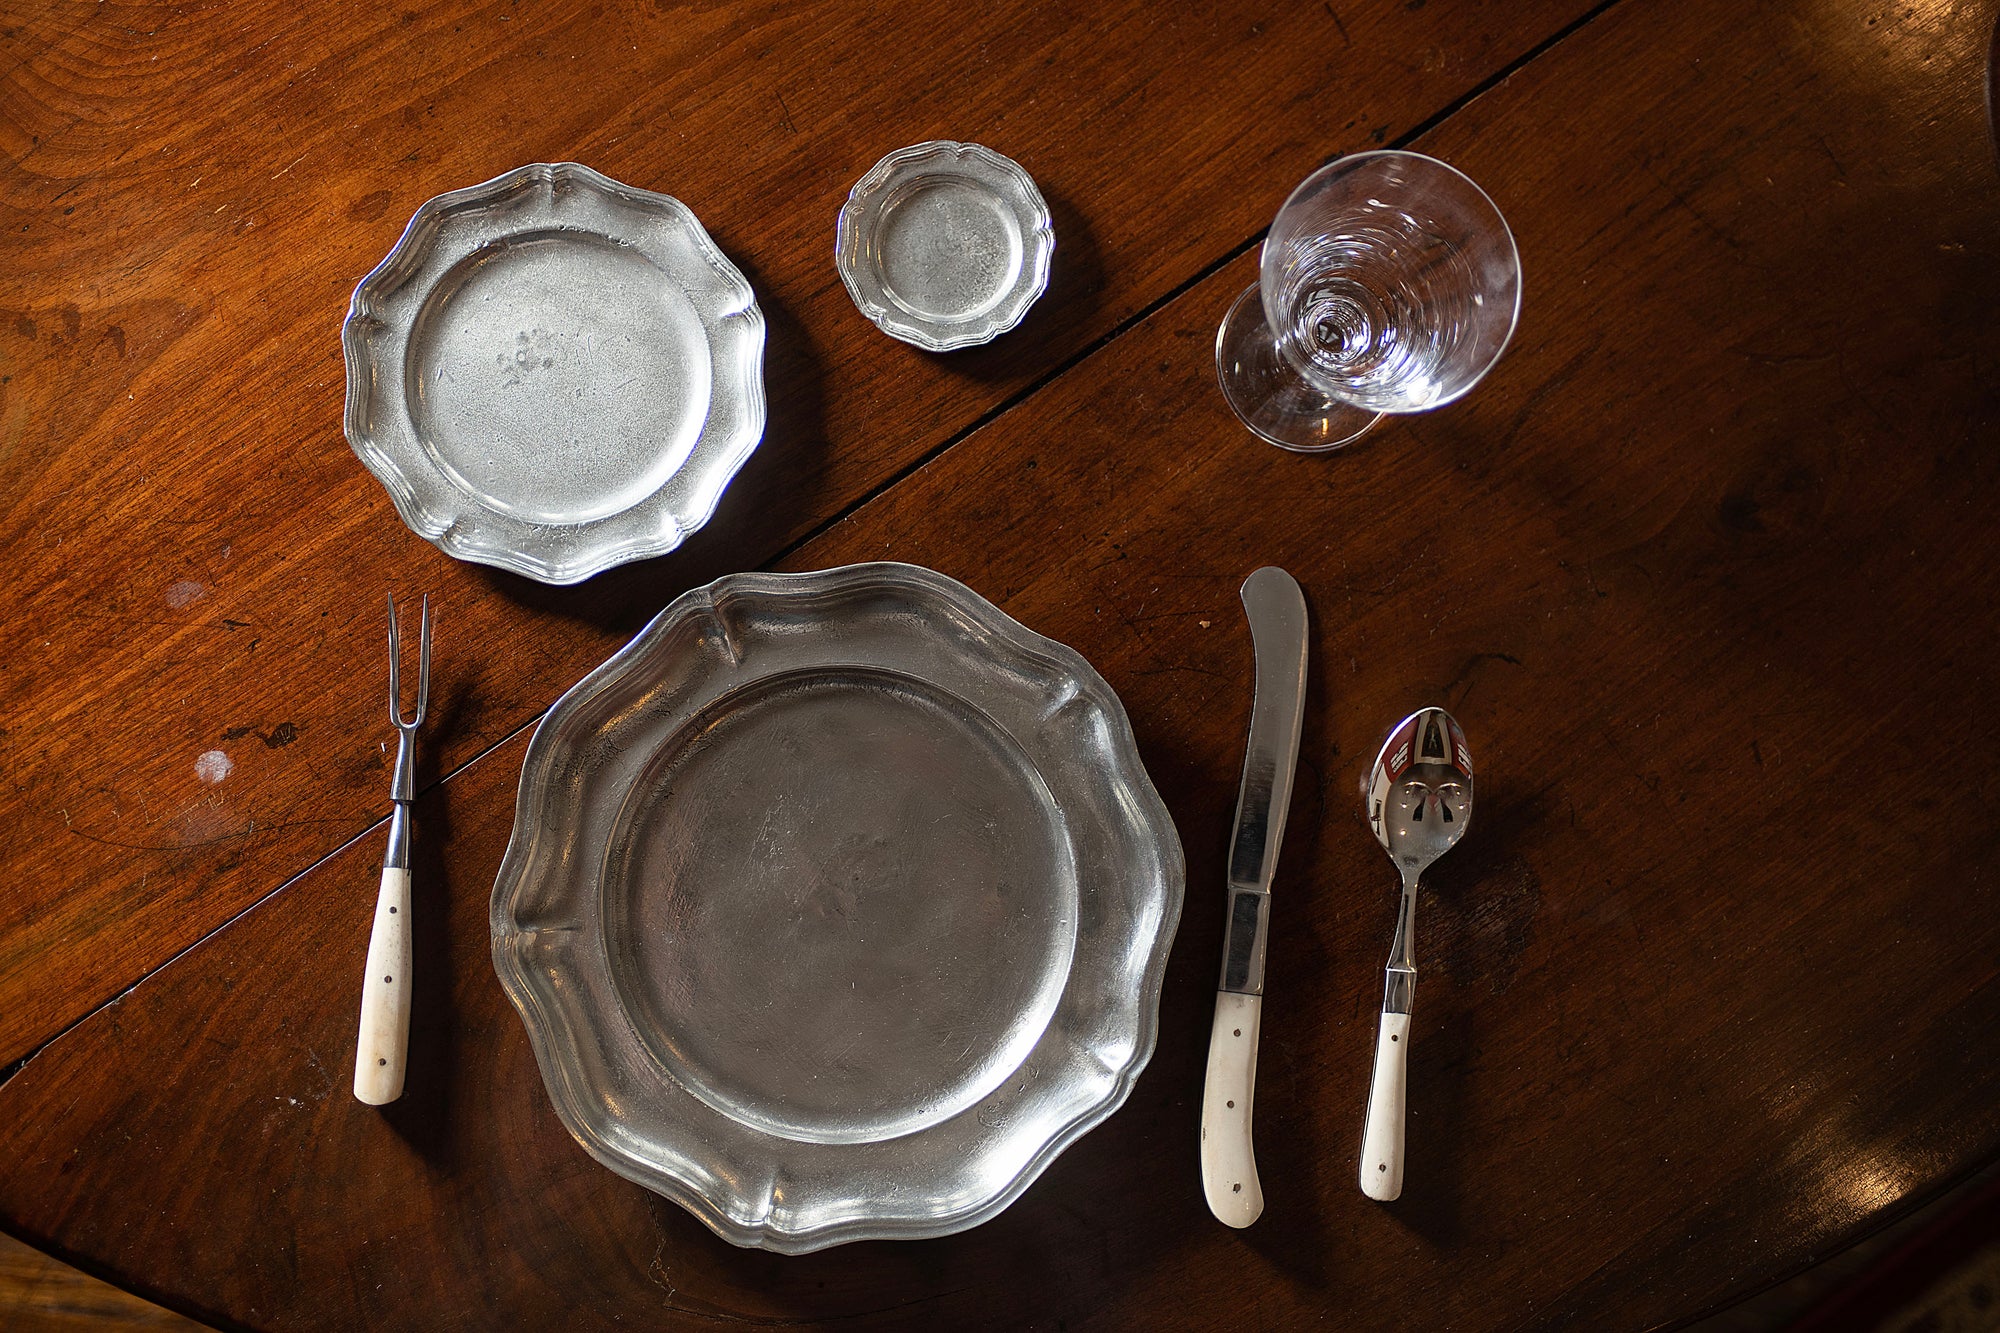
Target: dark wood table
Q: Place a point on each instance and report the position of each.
(1706, 566)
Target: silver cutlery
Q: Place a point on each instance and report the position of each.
(379, 1056)
(1277, 611)
(1419, 802)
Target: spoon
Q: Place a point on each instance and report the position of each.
(1419, 802)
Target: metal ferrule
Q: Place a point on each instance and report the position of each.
(1401, 986)
(1399, 990)
(398, 857)
(403, 787)
(1243, 946)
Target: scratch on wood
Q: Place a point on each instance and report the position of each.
(326, 1079)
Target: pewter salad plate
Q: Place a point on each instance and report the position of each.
(944, 245)
(837, 906)
(554, 373)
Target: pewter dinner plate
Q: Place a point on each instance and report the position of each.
(837, 906)
(554, 373)
(944, 245)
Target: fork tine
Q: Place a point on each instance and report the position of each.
(424, 664)
(395, 657)
(396, 667)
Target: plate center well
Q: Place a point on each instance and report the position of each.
(840, 906)
(558, 376)
(950, 248)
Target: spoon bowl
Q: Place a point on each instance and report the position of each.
(1419, 791)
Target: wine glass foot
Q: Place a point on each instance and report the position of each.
(1271, 398)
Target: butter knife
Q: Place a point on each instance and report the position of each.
(1277, 611)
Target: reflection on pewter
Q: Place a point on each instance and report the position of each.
(837, 906)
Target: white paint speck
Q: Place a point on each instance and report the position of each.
(185, 593)
(213, 766)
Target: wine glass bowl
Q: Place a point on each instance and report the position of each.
(1389, 283)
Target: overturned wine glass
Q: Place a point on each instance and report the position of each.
(1389, 284)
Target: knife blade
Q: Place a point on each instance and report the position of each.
(1277, 612)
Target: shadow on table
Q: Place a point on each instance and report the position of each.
(1434, 1183)
(1480, 903)
(1075, 291)
(1305, 1141)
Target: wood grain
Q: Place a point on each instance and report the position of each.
(190, 193)
(39, 1295)
(1704, 568)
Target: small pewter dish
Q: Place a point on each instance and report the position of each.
(944, 245)
(837, 905)
(554, 373)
